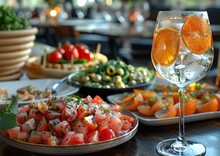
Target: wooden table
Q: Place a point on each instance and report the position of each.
(146, 139)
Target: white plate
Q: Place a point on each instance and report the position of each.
(41, 84)
(74, 149)
(152, 121)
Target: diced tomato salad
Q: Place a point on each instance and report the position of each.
(70, 121)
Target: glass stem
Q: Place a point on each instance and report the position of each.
(181, 136)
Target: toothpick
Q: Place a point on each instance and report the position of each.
(72, 61)
(45, 58)
(98, 48)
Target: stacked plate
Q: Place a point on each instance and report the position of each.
(15, 47)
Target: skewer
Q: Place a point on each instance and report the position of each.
(71, 62)
(98, 48)
(45, 58)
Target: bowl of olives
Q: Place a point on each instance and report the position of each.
(114, 76)
(16, 40)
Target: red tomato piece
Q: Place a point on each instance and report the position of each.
(58, 106)
(25, 108)
(44, 136)
(73, 138)
(99, 115)
(22, 136)
(21, 117)
(116, 108)
(93, 137)
(35, 114)
(87, 55)
(97, 99)
(13, 132)
(88, 99)
(52, 141)
(90, 122)
(126, 122)
(72, 52)
(62, 128)
(54, 57)
(42, 125)
(105, 134)
(61, 51)
(50, 115)
(28, 126)
(102, 125)
(53, 123)
(115, 124)
(67, 46)
(79, 127)
(69, 114)
(81, 112)
(35, 137)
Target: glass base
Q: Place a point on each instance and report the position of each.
(170, 147)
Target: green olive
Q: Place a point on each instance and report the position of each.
(106, 78)
(119, 84)
(120, 71)
(118, 78)
(132, 83)
(84, 78)
(97, 78)
(110, 70)
(91, 75)
(132, 76)
(106, 86)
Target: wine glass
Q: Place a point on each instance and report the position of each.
(182, 53)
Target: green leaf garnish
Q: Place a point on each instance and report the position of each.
(8, 115)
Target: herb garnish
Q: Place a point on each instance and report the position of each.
(8, 114)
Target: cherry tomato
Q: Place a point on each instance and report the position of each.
(61, 50)
(105, 134)
(67, 46)
(80, 46)
(71, 52)
(54, 57)
(84, 52)
(86, 55)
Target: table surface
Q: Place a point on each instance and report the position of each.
(147, 138)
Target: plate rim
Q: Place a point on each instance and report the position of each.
(73, 90)
(153, 121)
(69, 149)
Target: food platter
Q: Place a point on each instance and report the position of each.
(104, 91)
(62, 90)
(74, 149)
(153, 121)
(36, 70)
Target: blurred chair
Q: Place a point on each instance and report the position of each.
(63, 34)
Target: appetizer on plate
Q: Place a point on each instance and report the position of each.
(70, 121)
(163, 100)
(64, 60)
(113, 74)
